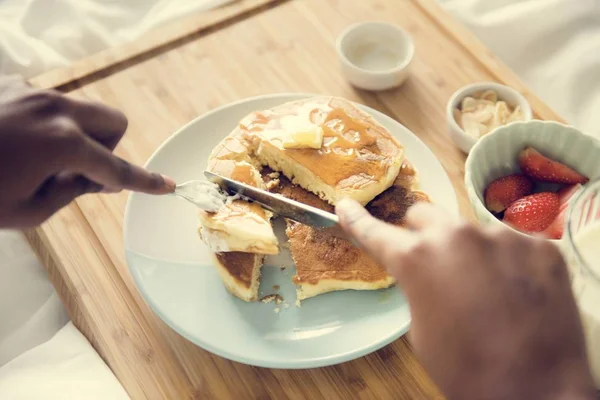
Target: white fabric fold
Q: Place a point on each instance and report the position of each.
(40, 35)
(30, 311)
(65, 367)
(553, 45)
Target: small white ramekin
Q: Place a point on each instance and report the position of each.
(362, 46)
(513, 98)
(496, 155)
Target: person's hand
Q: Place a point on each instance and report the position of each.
(54, 148)
(493, 315)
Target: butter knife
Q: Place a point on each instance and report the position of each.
(277, 203)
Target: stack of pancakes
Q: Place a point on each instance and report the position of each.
(316, 151)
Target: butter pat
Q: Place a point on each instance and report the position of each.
(297, 130)
(306, 139)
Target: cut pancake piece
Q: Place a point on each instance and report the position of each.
(326, 145)
(238, 225)
(326, 263)
(240, 273)
(391, 206)
(239, 270)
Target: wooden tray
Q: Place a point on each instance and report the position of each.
(173, 75)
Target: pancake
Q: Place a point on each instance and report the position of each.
(240, 273)
(326, 263)
(238, 225)
(327, 146)
(328, 149)
(239, 233)
(234, 148)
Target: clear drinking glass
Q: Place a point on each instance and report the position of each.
(582, 248)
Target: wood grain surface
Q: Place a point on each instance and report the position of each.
(286, 46)
(165, 37)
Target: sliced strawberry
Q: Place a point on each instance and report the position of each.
(532, 213)
(502, 192)
(543, 169)
(557, 227)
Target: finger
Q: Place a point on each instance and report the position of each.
(111, 190)
(381, 240)
(426, 215)
(99, 165)
(104, 189)
(104, 124)
(56, 193)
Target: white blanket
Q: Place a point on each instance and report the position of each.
(554, 45)
(64, 368)
(40, 35)
(30, 311)
(36, 362)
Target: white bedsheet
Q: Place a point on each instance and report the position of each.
(39, 35)
(30, 311)
(554, 45)
(64, 368)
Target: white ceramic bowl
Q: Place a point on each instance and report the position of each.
(375, 55)
(495, 155)
(513, 98)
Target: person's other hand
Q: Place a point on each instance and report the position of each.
(493, 315)
(54, 148)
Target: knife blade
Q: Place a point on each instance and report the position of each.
(282, 206)
(277, 203)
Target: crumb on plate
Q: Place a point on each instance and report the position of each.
(270, 297)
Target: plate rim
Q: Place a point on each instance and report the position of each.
(315, 362)
(223, 352)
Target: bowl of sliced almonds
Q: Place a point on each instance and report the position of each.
(478, 109)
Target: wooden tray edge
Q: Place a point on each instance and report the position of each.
(137, 338)
(471, 43)
(161, 39)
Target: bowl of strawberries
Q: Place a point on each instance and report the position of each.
(525, 174)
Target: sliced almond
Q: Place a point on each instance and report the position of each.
(501, 114)
(483, 129)
(470, 126)
(468, 104)
(482, 115)
(486, 103)
(516, 115)
(489, 95)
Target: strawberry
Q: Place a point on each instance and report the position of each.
(543, 169)
(532, 213)
(502, 192)
(557, 227)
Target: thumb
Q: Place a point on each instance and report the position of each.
(382, 241)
